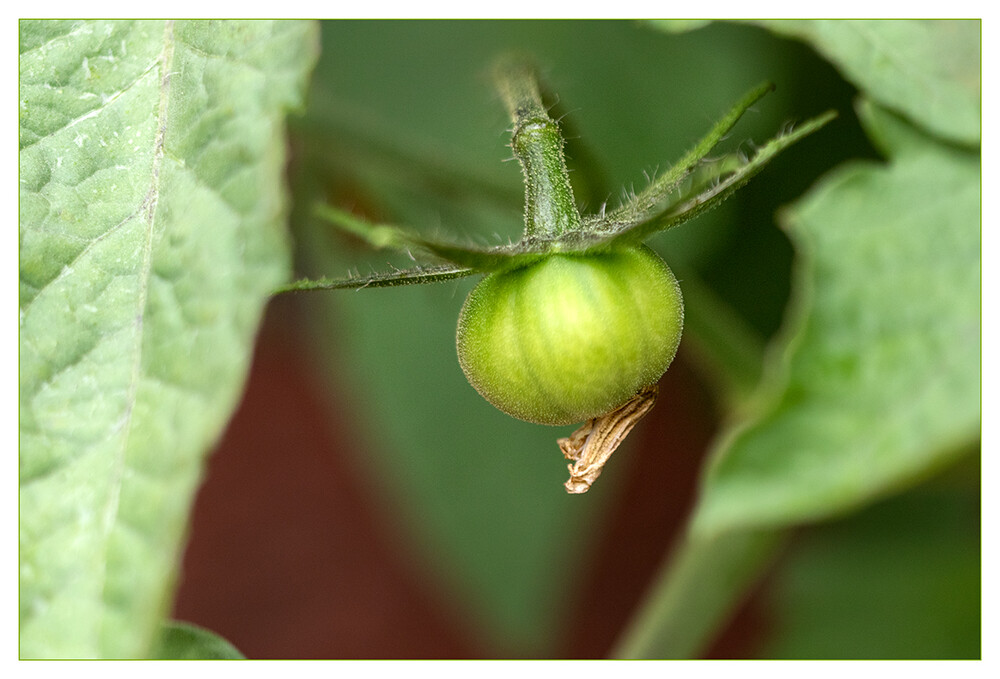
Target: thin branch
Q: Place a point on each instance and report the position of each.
(415, 276)
(402, 239)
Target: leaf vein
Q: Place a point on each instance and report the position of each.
(111, 513)
(107, 101)
(69, 267)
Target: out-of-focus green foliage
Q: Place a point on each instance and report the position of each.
(926, 71)
(182, 641)
(875, 383)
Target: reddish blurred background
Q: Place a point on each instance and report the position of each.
(294, 558)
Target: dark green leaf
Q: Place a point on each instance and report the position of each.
(184, 641)
(652, 198)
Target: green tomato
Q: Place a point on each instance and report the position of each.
(571, 337)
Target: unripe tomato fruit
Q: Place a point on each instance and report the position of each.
(571, 337)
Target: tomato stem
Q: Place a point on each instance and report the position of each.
(549, 206)
(695, 594)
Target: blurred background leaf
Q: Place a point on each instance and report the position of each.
(926, 71)
(181, 641)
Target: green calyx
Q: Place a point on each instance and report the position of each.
(552, 222)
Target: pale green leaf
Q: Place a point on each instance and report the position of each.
(928, 71)
(151, 212)
(878, 381)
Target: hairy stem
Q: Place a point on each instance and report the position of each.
(549, 206)
(636, 210)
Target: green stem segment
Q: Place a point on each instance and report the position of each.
(549, 206)
(696, 594)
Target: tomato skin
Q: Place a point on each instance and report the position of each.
(571, 337)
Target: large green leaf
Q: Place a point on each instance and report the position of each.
(928, 71)
(878, 382)
(151, 210)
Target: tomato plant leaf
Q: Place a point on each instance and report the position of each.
(928, 71)
(877, 383)
(151, 211)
